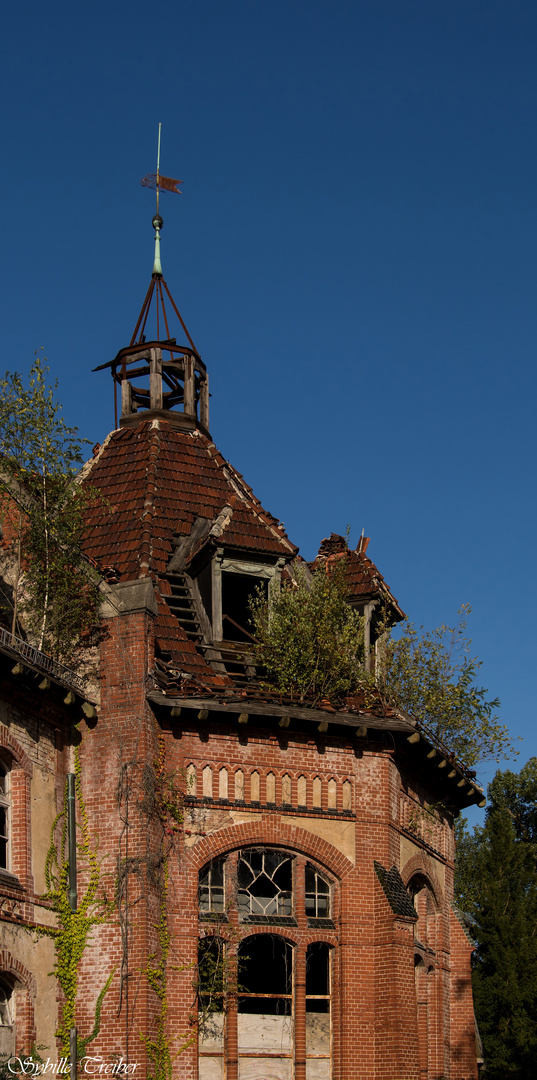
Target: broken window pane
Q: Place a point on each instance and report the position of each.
(317, 895)
(211, 887)
(265, 975)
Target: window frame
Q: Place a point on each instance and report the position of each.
(5, 807)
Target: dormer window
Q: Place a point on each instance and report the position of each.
(234, 584)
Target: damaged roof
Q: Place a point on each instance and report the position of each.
(155, 483)
(364, 581)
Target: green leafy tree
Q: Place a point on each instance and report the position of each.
(431, 675)
(310, 641)
(496, 884)
(53, 596)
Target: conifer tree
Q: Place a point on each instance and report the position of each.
(497, 885)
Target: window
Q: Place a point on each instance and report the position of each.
(317, 895)
(7, 1027)
(4, 816)
(265, 883)
(257, 976)
(238, 591)
(211, 888)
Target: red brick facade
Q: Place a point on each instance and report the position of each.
(315, 850)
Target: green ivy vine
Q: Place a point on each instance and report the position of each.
(72, 930)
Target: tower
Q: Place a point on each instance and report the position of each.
(280, 874)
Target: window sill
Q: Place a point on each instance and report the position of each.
(268, 920)
(9, 880)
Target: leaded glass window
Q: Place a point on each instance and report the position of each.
(265, 883)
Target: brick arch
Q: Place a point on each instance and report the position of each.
(25, 989)
(267, 832)
(18, 971)
(14, 747)
(420, 864)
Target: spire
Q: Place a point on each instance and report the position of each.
(157, 225)
(178, 388)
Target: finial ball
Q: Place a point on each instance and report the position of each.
(157, 222)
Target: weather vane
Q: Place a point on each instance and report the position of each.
(157, 183)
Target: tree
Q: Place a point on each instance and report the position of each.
(53, 597)
(496, 884)
(431, 675)
(310, 641)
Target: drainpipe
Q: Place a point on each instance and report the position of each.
(71, 836)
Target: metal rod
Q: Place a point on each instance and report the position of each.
(72, 1052)
(71, 834)
(175, 308)
(158, 163)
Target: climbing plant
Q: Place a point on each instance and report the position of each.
(73, 928)
(156, 794)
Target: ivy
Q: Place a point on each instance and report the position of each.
(73, 928)
(162, 803)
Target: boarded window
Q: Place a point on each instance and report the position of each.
(286, 788)
(271, 788)
(222, 784)
(254, 787)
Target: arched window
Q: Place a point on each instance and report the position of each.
(4, 815)
(265, 883)
(7, 1025)
(257, 1001)
(318, 1010)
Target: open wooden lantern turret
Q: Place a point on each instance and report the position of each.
(159, 378)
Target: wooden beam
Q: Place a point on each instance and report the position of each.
(271, 711)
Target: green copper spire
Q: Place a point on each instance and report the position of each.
(157, 225)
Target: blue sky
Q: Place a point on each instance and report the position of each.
(354, 256)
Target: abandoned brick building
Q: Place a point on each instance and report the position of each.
(309, 866)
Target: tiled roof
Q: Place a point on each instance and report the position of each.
(397, 896)
(154, 483)
(364, 581)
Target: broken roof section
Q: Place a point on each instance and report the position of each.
(165, 491)
(364, 581)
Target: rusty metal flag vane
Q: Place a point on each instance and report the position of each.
(166, 183)
(158, 183)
